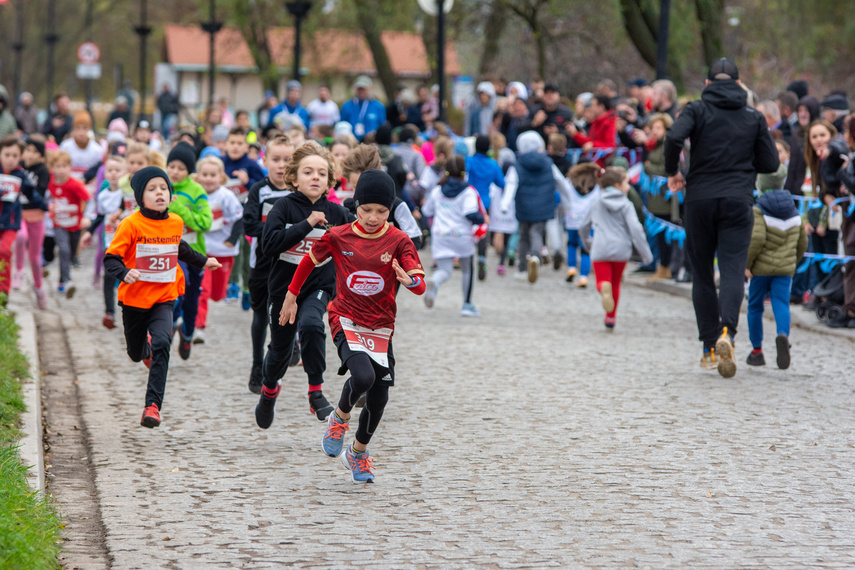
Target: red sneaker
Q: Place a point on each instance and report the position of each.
(108, 321)
(147, 361)
(150, 417)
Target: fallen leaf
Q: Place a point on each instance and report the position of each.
(165, 538)
(174, 470)
(773, 448)
(709, 494)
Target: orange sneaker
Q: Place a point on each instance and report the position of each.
(150, 417)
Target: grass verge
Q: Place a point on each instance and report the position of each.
(29, 526)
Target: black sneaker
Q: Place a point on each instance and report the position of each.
(557, 260)
(319, 405)
(185, 343)
(482, 270)
(264, 410)
(755, 359)
(782, 343)
(255, 378)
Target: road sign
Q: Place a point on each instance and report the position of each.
(88, 53)
(88, 70)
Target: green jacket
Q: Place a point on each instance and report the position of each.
(777, 243)
(191, 203)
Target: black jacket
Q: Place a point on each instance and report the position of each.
(286, 227)
(730, 144)
(260, 200)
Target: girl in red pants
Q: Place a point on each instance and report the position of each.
(222, 240)
(616, 231)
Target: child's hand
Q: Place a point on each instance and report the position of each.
(315, 218)
(85, 223)
(85, 240)
(241, 175)
(748, 274)
(402, 276)
(289, 310)
(228, 244)
(212, 263)
(820, 231)
(132, 277)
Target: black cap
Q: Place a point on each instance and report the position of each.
(800, 87)
(835, 102)
(143, 176)
(482, 144)
(637, 82)
(550, 87)
(723, 66)
(374, 187)
(383, 134)
(185, 153)
(40, 145)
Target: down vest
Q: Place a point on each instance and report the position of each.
(778, 240)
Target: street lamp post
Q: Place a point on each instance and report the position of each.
(51, 38)
(211, 27)
(143, 31)
(18, 46)
(662, 47)
(89, 16)
(299, 10)
(440, 56)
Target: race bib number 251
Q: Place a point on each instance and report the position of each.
(157, 263)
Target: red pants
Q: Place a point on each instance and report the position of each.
(214, 286)
(611, 271)
(7, 240)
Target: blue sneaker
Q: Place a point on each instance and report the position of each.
(333, 442)
(245, 302)
(469, 310)
(360, 465)
(233, 292)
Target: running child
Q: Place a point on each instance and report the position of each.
(455, 208)
(191, 205)
(262, 196)
(144, 256)
(295, 223)
(221, 240)
(31, 236)
(584, 191)
(371, 257)
(616, 231)
(484, 173)
(68, 202)
(14, 185)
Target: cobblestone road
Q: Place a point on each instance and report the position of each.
(529, 437)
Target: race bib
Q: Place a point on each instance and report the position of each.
(66, 215)
(265, 210)
(374, 343)
(217, 222)
(10, 188)
(296, 254)
(157, 263)
(236, 186)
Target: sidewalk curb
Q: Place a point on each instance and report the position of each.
(32, 449)
(799, 318)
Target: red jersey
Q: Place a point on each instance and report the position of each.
(365, 279)
(69, 200)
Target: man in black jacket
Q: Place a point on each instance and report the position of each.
(730, 145)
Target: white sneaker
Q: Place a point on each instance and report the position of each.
(520, 275)
(17, 279)
(469, 310)
(199, 336)
(430, 293)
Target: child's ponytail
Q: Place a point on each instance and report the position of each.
(455, 167)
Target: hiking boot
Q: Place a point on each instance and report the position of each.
(150, 417)
(430, 293)
(661, 273)
(482, 270)
(607, 297)
(756, 358)
(333, 442)
(782, 344)
(571, 274)
(709, 360)
(533, 267)
(147, 361)
(319, 405)
(199, 336)
(469, 310)
(557, 260)
(724, 350)
(108, 321)
(360, 465)
(185, 343)
(264, 410)
(583, 282)
(255, 378)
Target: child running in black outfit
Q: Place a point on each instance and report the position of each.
(144, 256)
(371, 257)
(294, 224)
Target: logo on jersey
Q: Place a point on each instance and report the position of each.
(347, 252)
(386, 257)
(365, 283)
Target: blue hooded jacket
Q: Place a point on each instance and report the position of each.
(483, 171)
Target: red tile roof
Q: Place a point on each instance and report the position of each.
(326, 52)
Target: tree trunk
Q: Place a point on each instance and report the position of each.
(429, 40)
(253, 26)
(529, 11)
(493, 30)
(636, 25)
(368, 22)
(710, 13)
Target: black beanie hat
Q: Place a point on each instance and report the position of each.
(383, 135)
(374, 187)
(185, 153)
(40, 145)
(143, 176)
(482, 144)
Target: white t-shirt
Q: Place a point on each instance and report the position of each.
(579, 206)
(226, 209)
(323, 113)
(82, 159)
(501, 222)
(451, 231)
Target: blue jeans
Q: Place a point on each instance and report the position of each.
(574, 242)
(778, 289)
(188, 303)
